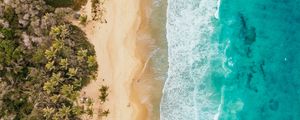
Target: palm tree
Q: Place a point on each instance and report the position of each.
(55, 31)
(81, 54)
(56, 77)
(72, 72)
(93, 75)
(68, 92)
(50, 54)
(74, 95)
(54, 98)
(56, 116)
(47, 112)
(57, 44)
(89, 112)
(91, 61)
(64, 63)
(83, 19)
(49, 86)
(50, 65)
(64, 31)
(103, 93)
(64, 112)
(77, 110)
(103, 89)
(105, 113)
(103, 97)
(59, 31)
(77, 83)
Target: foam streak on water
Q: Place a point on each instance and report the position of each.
(187, 92)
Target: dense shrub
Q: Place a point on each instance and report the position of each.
(75, 4)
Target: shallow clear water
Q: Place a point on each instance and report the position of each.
(242, 66)
(264, 41)
(159, 61)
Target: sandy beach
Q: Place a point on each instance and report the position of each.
(120, 64)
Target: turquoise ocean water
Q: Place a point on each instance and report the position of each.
(232, 60)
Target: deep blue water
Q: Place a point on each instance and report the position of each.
(239, 61)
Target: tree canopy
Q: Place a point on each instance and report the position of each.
(44, 62)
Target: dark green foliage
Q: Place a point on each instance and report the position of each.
(75, 4)
(16, 101)
(46, 74)
(7, 48)
(7, 33)
(103, 93)
(105, 113)
(38, 56)
(9, 14)
(83, 19)
(94, 3)
(60, 3)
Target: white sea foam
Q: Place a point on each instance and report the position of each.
(189, 29)
(218, 9)
(217, 115)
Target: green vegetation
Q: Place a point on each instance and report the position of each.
(75, 4)
(103, 93)
(60, 3)
(105, 113)
(44, 63)
(98, 10)
(95, 3)
(83, 19)
(103, 98)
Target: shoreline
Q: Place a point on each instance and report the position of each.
(120, 56)
(146, 89)
(140, 110)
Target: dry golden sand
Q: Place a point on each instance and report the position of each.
(122, 48)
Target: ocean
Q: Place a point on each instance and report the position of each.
(232, 60)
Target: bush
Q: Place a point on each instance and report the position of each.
(60, 3)
(75, 4)
(83, 19)
(7, 33)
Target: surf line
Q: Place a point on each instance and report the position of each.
(146, 63)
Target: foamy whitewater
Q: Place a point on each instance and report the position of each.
(187, 90)
(232, 60)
